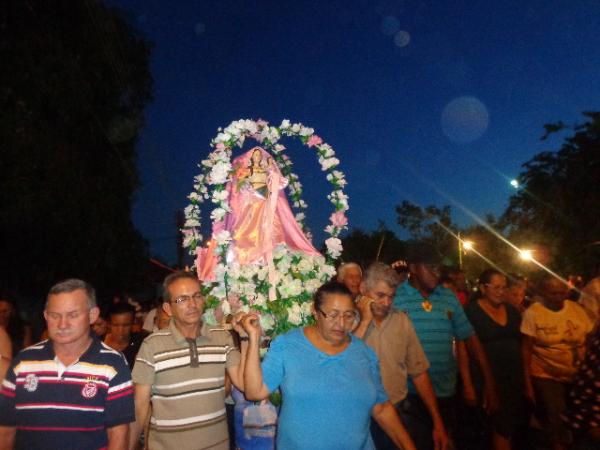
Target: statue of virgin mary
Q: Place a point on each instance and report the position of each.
(260, 217)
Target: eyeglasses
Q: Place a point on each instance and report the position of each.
(186, 298)
(349, 316)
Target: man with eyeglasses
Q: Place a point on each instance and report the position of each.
(71, 390)
(392, 337)
(181, 370)
(443, 330)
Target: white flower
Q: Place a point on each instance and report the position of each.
(266, 322)
(221, 195)
(261, 273)
(312, 285)
(300, 217)
(328, 163)
(305, 131)
(226, 307)
(280, 251)
(194, 197)
(304, 266)
(291, 288)
(218, 214)
(260, 300)
(222, 137)
(334, 247)
(188, 239)
(189, 223)
(219, 173)
(278, 148)
(223, 237)
(209, 317)
(284, 124)
(294, 314)
(306, 309)
(296, 127)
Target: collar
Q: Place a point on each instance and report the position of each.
(180, 338)
(415, 293)
(93, 349)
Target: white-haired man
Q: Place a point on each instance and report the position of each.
(350, 274)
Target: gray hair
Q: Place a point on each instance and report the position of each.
(342, 270)
(379, 271)
(71, 285)
(172, 278)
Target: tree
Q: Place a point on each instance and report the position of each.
(75, 84)
(558, 204)
(364, 248)
(432, 225)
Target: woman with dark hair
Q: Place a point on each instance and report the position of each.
(329, 380)
(497, 326)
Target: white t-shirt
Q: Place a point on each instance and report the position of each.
(559, 338)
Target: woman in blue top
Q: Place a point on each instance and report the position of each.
(329, 380)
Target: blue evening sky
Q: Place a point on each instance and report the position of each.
(436, 102)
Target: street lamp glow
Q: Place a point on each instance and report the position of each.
(514, 183)
(526, 255)
(468, 245)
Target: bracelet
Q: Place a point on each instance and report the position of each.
(244, 338)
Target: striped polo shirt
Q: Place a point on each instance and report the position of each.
(436, 329)
(53, 406)
(188, 387)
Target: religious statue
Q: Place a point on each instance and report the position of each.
(260, 217)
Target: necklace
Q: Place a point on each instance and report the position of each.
(427, 305)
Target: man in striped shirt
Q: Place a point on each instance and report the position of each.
(181, 371)
(70, 391)
(441, 326)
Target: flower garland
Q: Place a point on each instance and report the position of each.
(245, 287)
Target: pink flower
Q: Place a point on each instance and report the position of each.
(314, 140)
(220, 146)
(338, 219)
(261, 123)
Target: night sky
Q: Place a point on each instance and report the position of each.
(433, 102)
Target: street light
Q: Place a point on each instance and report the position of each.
(463, 246)
(526, 255)
(514, 183)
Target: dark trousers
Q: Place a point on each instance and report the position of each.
(417, 421)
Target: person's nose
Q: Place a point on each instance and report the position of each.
(63, 322)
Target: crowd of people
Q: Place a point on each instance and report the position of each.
(401, 356)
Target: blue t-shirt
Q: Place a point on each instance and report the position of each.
(327, 399)
(436, 330)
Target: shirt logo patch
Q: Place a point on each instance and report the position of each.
(31, 382)
(89, 390)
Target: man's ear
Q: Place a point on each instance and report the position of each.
(166, 306)
(94, 313)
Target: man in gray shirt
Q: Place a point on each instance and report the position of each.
(392, 337)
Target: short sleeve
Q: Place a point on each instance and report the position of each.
(527, 324)
(376, 376)
(462, 327)
(119, 408)
(416, 361)
(7, 398)
(273, 363)
(143, 370)
(233, 354)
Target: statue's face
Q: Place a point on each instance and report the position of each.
(256, 157)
